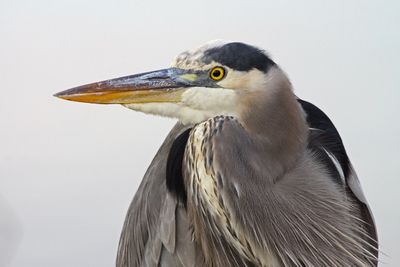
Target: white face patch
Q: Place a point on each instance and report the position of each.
(217, 100)
(197, 104)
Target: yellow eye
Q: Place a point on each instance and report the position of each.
(217, 73)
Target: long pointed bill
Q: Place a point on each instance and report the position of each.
(165, 85)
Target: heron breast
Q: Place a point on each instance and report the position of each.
(204, 187)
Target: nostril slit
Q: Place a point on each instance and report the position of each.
(157, 78)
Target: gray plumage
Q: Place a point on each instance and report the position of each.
(250, 176)
(282, 210)
(156, 228)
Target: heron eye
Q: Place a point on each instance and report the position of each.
(217, 73)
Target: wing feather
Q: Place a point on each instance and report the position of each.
(327, 137)
(150, 235)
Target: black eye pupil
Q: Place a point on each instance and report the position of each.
(217, 73)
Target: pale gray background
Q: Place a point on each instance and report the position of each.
(68, 171)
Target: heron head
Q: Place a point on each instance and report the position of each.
(214, 79)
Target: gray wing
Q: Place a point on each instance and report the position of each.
(326, 141)
(156, 229)
(302, 217)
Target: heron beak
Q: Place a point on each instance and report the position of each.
(166, 85)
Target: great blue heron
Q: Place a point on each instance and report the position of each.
(250, 175)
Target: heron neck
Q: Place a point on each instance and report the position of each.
(276, 121)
